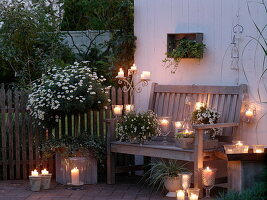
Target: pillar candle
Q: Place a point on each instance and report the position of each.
(34, 173)
(180, 195)
(75, 179)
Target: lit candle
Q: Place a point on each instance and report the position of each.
(208, 176)
(120, 73)
(180, 194)
(164, 122)
(145, 75)
(258, 148)
(45, 172)
(178, 124)
(75, 179)
(133, 67)
(193, 197)
(186, 180)
(249, 113)
(117, 109)
(129, 108)
(258, 151)
(199, 105)
(34, 173)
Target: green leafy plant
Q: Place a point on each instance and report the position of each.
(184, 49)
(160, 170)
(72, 89)
(30, 41)
(83, 145)
(137, 126)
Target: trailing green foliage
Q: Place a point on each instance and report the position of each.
(114, 17)
(184, 49)
(162, 169)
(30, 41)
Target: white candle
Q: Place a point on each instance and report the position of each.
(178, 125)
(199, 105)
(45, 172)
(249, 113)
(75, 179)
(133, 67)
(180, 195)
(117, 110)
(34, 173)
(129, 108)
(164, 122)
(193, 197)
(120, 73)
(145, 75)
(258, 151)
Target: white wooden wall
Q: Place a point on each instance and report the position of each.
(215, 18)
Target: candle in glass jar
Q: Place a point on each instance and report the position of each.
(164, 122)
(129, 108)
(117, 109)
(199, 105)
(193, 197)
(178, 124)
(34, 173)
(120, 73)
(45, 172)
(75, 179)
(207, 176)
(180, 195)
(258, 148)
(249, 113)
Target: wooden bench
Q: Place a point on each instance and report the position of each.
(169, 100)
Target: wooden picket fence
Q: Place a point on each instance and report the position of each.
(20, 136)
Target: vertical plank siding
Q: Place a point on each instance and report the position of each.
(20, 136)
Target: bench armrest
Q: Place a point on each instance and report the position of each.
(219, 125)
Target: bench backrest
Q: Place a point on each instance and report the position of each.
(169, 100)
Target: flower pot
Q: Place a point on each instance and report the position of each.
(184, 143)
(45, 181)
(35, 182)
(172, 184)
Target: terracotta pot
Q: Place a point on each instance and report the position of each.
(172, 184)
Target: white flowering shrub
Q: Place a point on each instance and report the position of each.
(206, 115)
(72, 89)
(137, 126)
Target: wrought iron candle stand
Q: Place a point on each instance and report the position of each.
(128, 82)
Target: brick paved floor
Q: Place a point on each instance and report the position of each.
(20, 190)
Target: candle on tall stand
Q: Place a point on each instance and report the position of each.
(45, 179)
(145, 75)
(120, 74)
(208, 179)
(35, 181)
(75, 176)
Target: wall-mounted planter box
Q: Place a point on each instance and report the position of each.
(172, 39)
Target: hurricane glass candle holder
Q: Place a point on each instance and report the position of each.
(257, 148)
(208, 179)
(165, 127)
(185, 179)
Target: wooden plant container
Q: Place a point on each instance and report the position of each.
(172, 38)
(188, 143)
(90, 173)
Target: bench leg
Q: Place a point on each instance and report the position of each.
(198, 161)
(111, 168)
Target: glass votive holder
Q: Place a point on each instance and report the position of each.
(165, 125)
(185, 178)
(180, 195)
(243, 149)
(177, 126)
(128, 108)
(193, 193)
(229, 149)
(258, 148)
(117, 110)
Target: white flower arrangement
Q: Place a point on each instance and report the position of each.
(74, 88)
(206, 115)
(137, 126)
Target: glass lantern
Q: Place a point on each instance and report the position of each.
(165, 127)
(75, 172)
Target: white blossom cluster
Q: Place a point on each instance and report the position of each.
(209, 115)
(73, 84)
(137, 125)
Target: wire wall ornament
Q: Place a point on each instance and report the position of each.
(128, 81)
(237, 30)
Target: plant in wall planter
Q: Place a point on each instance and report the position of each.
(184, 48)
